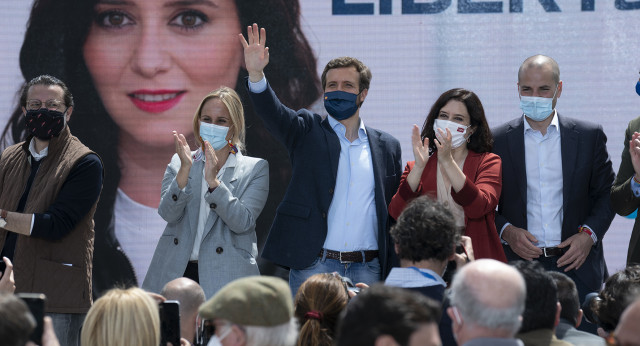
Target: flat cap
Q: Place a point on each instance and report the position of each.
(251, 301)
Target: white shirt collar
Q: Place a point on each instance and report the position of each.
(32, 149)
(553, 125)
(362, 131)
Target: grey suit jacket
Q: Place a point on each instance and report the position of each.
(228, 249)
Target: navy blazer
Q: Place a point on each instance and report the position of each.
(587, 176)
(299, 228)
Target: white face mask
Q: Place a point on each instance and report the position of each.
(217, 340)
(457, 131)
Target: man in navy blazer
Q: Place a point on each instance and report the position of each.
(333, 217)
(556, 176)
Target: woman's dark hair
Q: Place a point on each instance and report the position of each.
(53, 44)
(619, 291)
(318, 304)
(481, 141)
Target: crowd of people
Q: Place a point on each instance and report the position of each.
(489, 237)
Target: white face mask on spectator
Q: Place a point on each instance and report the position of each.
(217, 340)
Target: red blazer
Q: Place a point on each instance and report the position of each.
(478, 197)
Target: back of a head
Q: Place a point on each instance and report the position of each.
(620, 289)
(567, 296)
(542, 298)
(124, 317)
(385, 310)
(318, 304)
(16, 322)
(191, 296)
(425, 230)
(627, 331)
(490, 295)
(187, 292)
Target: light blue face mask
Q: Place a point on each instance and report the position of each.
(537, 108)
(214, 134)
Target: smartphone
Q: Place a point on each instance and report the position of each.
(36, 303)
(170, 322)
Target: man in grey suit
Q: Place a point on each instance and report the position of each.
(487, 302)
(571, 314)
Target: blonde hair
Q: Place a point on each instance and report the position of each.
(124, 317)
(232, 101)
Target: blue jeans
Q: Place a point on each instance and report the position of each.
(68, 327)
(367, 272)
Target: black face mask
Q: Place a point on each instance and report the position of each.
(44, 123)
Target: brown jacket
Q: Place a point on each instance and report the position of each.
(60, 269)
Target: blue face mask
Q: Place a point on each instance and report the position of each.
(214, 134)
(638, 88)
(537, 108)
(341, 105)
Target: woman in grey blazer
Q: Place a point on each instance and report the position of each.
(211, 199)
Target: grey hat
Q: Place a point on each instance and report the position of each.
(251, 301)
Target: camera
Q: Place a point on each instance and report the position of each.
(589, 314)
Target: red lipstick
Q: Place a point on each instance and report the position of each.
(156, 101)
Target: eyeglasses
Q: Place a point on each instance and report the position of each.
(52, 105)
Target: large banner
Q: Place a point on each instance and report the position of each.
(415, 49)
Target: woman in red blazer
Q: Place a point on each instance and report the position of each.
(455, 166)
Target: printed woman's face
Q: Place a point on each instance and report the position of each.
(152, 61)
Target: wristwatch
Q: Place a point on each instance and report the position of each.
(3, 218)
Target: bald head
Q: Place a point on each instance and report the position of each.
(540, 63)
(191, 296)
(186, 291)
(489, 294)
(627, 331)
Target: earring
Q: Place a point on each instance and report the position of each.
(234, 149)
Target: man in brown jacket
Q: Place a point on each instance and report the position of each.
(49, 189)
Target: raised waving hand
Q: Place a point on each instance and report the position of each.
(256, 54)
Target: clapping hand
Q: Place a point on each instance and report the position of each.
(443, 143)
(210, 166)
(420, 148)
(182, 149)
(634, 151)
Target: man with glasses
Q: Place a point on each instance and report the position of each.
(49, 189)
